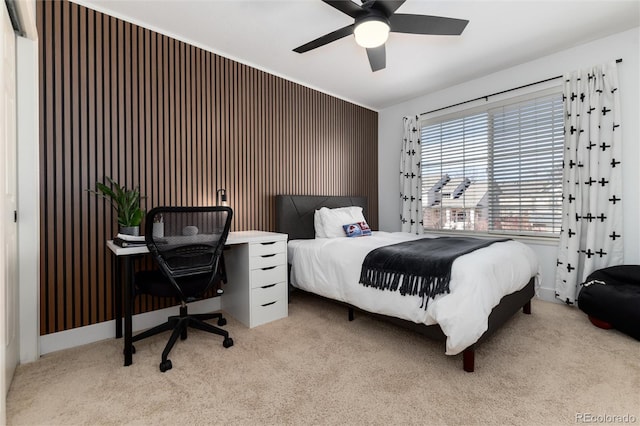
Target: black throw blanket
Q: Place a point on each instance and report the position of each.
(421, 267)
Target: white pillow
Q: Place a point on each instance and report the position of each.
(317, 224)
(332, 220)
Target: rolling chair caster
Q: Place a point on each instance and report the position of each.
(165, 365)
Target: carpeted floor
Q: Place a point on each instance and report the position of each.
(315, 367)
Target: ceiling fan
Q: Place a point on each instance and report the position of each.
(373, 22)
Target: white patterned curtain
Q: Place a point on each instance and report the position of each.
(590, 238)
(411, 178)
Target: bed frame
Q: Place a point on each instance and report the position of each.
(294, 216)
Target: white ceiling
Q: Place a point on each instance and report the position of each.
(262, 34)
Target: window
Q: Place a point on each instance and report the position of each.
(495, 170)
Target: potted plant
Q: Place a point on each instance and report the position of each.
(126, 202)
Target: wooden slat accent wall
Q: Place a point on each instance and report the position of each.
(122, 101)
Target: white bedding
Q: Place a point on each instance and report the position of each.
(330, 267)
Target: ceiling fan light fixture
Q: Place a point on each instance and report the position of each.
(371, 32)
(372, 24)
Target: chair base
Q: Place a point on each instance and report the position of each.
(179, 324)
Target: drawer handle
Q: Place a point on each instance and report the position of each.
(268, 244)
(268, 286)
(270, 303)
(268, 255)
(267, 268)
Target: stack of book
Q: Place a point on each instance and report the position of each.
(124, 240)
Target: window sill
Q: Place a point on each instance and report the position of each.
(547, 241)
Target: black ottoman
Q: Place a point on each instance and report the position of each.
(611, 296)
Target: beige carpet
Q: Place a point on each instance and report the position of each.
(315, 367)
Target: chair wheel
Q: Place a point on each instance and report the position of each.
(228, 342)
(222, 321)
(165, 365)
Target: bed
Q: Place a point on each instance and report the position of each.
(325, 267)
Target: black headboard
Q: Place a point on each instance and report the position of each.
(294, 213)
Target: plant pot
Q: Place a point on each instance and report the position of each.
(130, 230)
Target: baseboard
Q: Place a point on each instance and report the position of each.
(107, 330)
(546, 294)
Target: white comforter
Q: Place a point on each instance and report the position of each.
(331, 267)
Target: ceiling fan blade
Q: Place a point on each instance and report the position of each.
(325, 39)
(377, 58)
(387, 6)
(345, 6)
(425, 24)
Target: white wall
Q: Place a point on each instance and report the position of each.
(625, 45)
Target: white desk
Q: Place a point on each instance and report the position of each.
(256, 270)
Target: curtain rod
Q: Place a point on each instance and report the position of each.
(486, 97)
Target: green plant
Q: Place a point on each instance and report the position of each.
(125, 201)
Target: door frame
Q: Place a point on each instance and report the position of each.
(9, 318)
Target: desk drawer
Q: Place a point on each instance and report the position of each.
(267, 260)
(272, 275)
(271, 247)
(268, 293)
(268, 312)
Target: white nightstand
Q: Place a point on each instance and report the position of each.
(256, 264)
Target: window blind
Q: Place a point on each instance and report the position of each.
(526, 143)
(495, 170)
(454, 173)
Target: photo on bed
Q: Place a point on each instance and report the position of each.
(359, 229)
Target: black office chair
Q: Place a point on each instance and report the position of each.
(188, 252)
